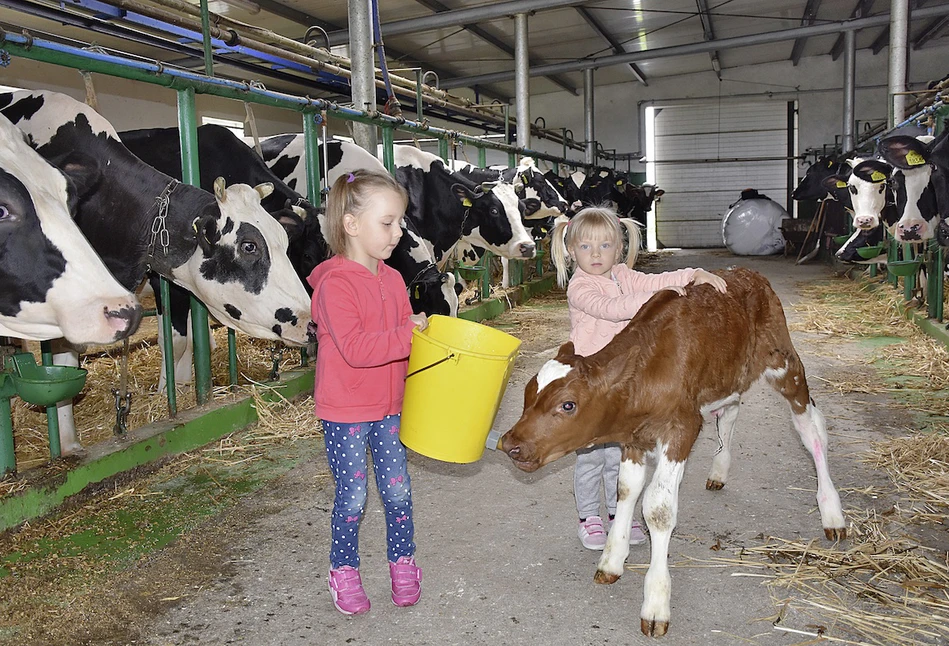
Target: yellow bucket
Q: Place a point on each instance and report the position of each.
(458, 371)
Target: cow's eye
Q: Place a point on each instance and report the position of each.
(249, 247)
(5, 214)
(568, 407)
(882, 188)
(853, 190)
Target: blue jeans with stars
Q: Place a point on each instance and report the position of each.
(346, 451)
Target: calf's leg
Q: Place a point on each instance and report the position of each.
(811, 427)
(632, 476)
(725, 418)
(661, 508)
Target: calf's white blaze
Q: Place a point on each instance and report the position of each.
(915, 182)
(551, 371)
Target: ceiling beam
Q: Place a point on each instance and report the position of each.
(859, 11)
(810, 15)
(709, 34)
(459, 17)
(930, 31)
(763, 38)
(487, 37)
(612, 42)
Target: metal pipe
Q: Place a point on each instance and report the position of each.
(896, 74)
(696, 48)
(850, 53)
(206, 39)
(363, 77)
(38, 49)
(522, 91)
(191, 174)
(589, 156)
(311, 146)
(459, 17)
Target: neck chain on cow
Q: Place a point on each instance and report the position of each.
(427, 268)
(159, 225)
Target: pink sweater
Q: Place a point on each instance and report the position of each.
(601, 306)
(364, 335)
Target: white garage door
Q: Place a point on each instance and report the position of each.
(693, 146)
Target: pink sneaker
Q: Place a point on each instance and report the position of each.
(636, 534)
(346, 588)
(406, 581)
(591, 533)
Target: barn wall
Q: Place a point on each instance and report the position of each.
(818, 79)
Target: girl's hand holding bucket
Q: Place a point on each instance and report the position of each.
(420, 320)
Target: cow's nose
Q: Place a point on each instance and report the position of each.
(863, 221)
(527, 249)
(311, 332)
(910, 232)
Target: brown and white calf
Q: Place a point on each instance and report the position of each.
(680, 357)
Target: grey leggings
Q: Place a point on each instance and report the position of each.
(596, 465)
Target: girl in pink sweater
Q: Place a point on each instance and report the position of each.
(602, 296)
(364, 331)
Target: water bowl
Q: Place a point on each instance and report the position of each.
(839, 240)
(45, 385)
(470, 272)
(870, 252)
(903, 267)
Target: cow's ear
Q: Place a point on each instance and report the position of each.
(531, 206)
(265, 189)
(292, 223)
(81, 169)
(487, 187)
(904, 152)
(206, 232)
(463, 193)
(833, 182)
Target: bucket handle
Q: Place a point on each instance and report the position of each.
(451, 355)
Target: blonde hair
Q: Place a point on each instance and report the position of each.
(350, 193)
(592, 223)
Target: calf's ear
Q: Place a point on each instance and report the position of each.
(531, 206)
(566, 351)
(463, 193)
(904, 152)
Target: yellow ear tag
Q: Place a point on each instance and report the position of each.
(466, 202)
(877, 176)
(618, 182)
(417, 297)
(841, 184)
(913, 158)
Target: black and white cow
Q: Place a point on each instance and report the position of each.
(873, 208)
(221, 154)
(430, 290)
(817, 184)
(224, 247)
(921, 184)
(52, 283)
(445, 207)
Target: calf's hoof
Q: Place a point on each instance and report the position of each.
(603, 577)
(714, 485)
(835, 533)
(652, 628)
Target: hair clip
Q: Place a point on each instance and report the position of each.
(350, 178)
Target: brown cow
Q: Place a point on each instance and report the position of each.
(678, 358)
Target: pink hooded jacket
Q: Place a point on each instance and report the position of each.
(364, 336)
(601, 306)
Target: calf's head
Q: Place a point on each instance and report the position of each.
(571, 403)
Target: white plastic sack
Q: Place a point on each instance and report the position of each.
(753, 228)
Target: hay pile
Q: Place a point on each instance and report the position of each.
(850, 309)
(94, 408)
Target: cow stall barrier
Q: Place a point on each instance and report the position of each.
(186, 84)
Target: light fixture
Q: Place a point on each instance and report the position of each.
(225, 6)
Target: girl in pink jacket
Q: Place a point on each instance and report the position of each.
(602, 296)
(364, 331)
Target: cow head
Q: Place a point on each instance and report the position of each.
(530, 183)
(240, 268)
(493, 219)
(919, 180)
(52, 283)
(566, 407)
(868, 186)
(433, 292)
(816, 184)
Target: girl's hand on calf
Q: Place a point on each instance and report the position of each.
(702, 276)
(420, 321)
